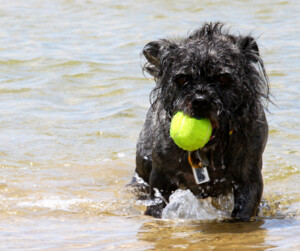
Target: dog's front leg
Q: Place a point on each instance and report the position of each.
(247, 197)
(160, 189)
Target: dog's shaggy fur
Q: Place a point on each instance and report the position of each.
(210, 74)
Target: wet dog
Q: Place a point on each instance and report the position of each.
(209, 74)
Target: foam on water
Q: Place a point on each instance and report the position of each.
(54, 203)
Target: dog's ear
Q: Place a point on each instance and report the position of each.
(153, 52)
(249, 47)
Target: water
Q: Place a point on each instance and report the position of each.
(73, 100)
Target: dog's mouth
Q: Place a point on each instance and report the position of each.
(215, 126)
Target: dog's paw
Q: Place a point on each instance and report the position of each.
(155, 210)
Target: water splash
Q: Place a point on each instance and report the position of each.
(184, 205)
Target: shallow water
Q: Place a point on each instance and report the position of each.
(73, 100)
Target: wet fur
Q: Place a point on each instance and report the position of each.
(217, 75)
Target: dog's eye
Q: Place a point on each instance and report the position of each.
(224, 79)
(181, 80)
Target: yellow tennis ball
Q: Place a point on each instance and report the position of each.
(189, 133)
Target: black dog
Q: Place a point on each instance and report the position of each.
(216, 75)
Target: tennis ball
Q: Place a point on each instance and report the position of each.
(189, 133)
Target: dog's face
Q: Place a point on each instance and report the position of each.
(210, 74)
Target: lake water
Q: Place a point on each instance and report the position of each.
(73, 99)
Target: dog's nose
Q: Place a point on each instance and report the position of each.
(200, 101)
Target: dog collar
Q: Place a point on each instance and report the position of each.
(200, 167)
